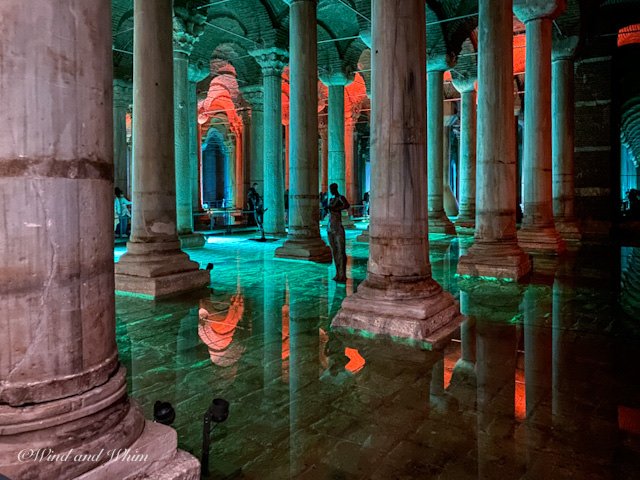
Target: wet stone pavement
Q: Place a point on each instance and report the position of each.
(540, 383)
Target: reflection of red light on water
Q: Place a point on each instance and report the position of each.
(520, 397)
(356, 362)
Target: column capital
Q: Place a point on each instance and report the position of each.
(271, 60)
(527, 10)
(188, 25)
(440, 63)
(122, 93)
(564, 48)
(337, 78)
(198, 71)
(254, 95)
(463, 81)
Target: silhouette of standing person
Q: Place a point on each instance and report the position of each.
(335, 231)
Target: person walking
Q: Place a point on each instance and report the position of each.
(335, 232)
(124, 214)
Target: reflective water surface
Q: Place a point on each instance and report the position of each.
(542, 381)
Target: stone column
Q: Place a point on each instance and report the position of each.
(399, 296)
(438, 220)
(495, 252)
(62, 386)
(337, 167)
(254, 96)
(121, 101)
(466, 87)
(230, 169)
(187, 26)
(286, 155)
(154, 266)
(562, 144)
(273, 61)
(350, 157)
(538, 233)
(303, 239)
(324, 150)
(246, 158)
(197, 72)
(238, 178)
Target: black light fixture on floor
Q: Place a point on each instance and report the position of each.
(217, 412)
(209, 267)
(163, 413)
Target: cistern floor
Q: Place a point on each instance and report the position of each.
(548, 388)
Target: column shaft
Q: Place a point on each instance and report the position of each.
(194, 146)
(538, 229)
(324, 160)
(154, 265)
(563, 125)
(184, 180)
(120, 167)
(438, 220)
(351, 168)
(495, 252)
(336, 137)
(399, 296)
(303, 240)
(467, 215)
(273, 168)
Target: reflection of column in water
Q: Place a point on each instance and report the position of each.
(537, 372)
(304, 344)
(463, 379)
(274, 296)
(494, 306)
(585, 415)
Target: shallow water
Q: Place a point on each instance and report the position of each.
(541, 382)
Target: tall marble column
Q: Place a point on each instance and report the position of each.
(538, 233)
(154, 266)
(63, 388)
(197, 72)
(495, 252)
(303, 239)
(562, 141)
(350, 157)
(272, 61)
(121, 101)
(187, 26)
(230, 169)
(337, 167)
(399, 296)
(466, 86)
(438, 220)
(255, 97)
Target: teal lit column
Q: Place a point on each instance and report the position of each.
(197, 72)
(185, 34)
(468, 127)
(272, 61)
(230, 169)
(495, 252)
(538, 233)
(303, 238)
(438, 220)
(254, 96)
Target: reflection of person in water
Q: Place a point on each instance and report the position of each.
(335, 231)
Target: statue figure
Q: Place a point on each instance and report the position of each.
(335, 231)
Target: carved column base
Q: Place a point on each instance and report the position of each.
(157, 448)
(158, 270)
(192, 240)
(541, 240)
(422, 312)
(495, 260)
(440, 223)
(568, 230)
(312, 250)
(466, 222)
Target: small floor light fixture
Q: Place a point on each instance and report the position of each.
(217, 412)
(163, 413)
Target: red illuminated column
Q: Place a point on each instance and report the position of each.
(495, 252)
(538, 233)
(399, 296)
